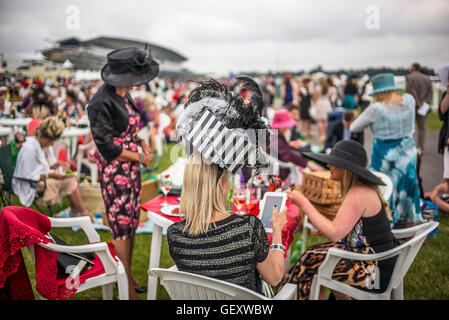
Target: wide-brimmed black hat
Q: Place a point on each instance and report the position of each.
(349, 155)
(129, 67)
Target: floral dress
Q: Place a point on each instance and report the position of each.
(121, 184)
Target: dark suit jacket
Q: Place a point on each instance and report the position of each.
(108, 117)
(419, 86)
(336, 134)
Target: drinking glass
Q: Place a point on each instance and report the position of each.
(252, 201)
(239, 199)
(166, 184)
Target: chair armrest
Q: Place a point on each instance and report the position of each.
(85, 248)
(100, 248)
(83, 222)
(364, 257)
(86, 146)
(334, 255)
(288, 292)
(407, 232)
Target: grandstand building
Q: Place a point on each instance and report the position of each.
(91, 54)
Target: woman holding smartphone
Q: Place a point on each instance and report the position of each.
(217, 244)
(210, 241)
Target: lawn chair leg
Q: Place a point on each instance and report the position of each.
(108, 291)
(398, 293)
(314, 289)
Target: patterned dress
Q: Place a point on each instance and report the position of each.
(369, 235)
(394, 153)
(121, 184)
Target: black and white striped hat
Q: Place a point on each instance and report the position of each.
(208, 126)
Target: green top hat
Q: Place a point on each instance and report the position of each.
(383, 82)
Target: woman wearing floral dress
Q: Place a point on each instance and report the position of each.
(114, 121)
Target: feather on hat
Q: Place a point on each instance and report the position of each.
(223, 127)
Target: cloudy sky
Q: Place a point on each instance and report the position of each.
(244, 35)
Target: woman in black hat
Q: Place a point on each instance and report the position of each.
(114, 121)
(361, 225)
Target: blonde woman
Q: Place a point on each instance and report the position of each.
(37, 161)
(321, 99)
(214, 243)
(361, 225)
(391, 118)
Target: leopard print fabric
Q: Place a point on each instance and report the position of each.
(354, 273)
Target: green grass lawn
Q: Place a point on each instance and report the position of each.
(428, 277)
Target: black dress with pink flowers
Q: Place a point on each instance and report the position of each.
(121, 183)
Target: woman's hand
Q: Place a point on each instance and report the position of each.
(314, 167)
(147, 158)
(279, 219)
(56, 175)
(295, 197)
(145, 148)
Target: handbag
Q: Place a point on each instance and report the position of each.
(68, 262)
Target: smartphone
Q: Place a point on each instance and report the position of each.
(271, 199)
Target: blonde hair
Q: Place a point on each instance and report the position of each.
(201, 194)
(51, 128)
(324, 85)
(41, 112)
(350, 179)
(383, 96)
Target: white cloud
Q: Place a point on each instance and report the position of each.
(236, 35)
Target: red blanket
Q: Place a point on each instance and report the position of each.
(22, 227)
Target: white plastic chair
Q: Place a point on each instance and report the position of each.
(114, 270)
(388, 188)
(293, 175)
(164, 122)
(386, 193)
(188, 286)
(82, 160)
(405, 254)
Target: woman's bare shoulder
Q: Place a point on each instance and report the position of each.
(366, 197)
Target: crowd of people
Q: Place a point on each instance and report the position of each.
(125, 102)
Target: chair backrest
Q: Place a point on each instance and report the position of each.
(188, 286)
(388, 188)
(409, 250)
(286, 165)
(7, 167)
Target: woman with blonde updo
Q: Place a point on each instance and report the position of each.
(37, 161)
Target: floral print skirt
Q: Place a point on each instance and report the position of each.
(120, 187)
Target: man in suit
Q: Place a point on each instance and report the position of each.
(340, 131)
(420, 87)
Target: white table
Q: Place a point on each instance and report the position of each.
(159, 223)
(74, 132)
(6, 134)
(22, 122)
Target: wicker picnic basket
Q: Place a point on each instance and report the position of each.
(93, 200)
(149, 191)
(319, 188)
